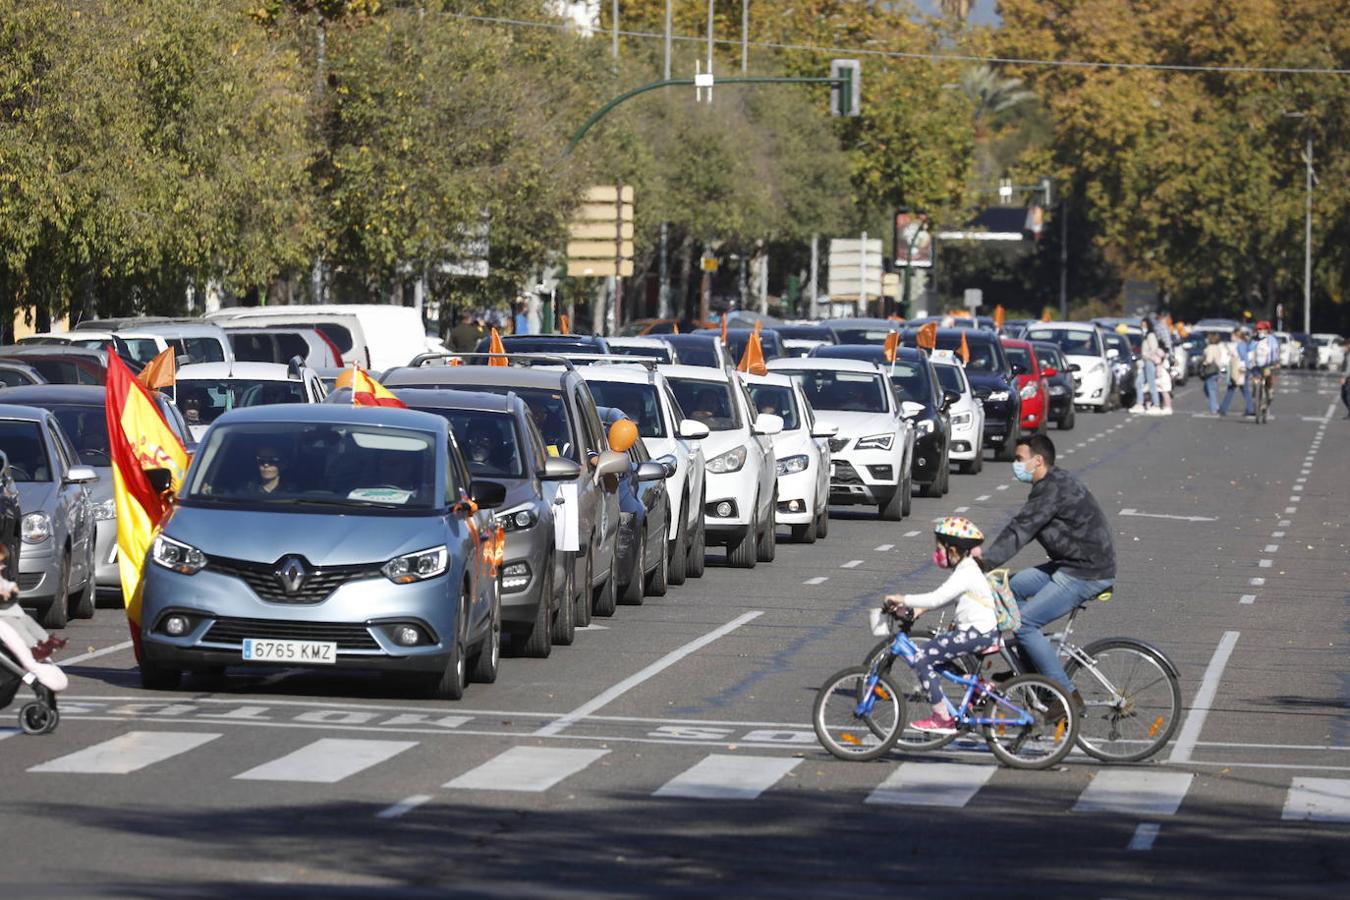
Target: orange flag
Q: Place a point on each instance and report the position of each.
(1045, 315)
(892, 343)
(496, 347)
(366, 391)
(724, 329)
(677, 327)
(927, 336)
(160, 371)
(752, 360)
(965, 349)
(564, 324)
(998, 317)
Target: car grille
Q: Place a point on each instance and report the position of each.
(262, 580)
(983, 393)
(844, 473)
(347, 636)
(29, 580)
(837, 444)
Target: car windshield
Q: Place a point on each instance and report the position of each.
(87, 428)
(770, 346)
(549, 411)
(1118, 343)
(1019, 357)
(1070, 342)
(660, 354)
(805, 333)
(862, 335)
(488, 441)
(709, 402)
(1049, 358)
(950, 378)
(778, 400)
(844, 391)
(637, 401)
(23, 447)
(197, 349)
(59, 371)
(910, 381)
(983, 357)
(698, 353)
(202, 401)
(140, 349)
(290, 464)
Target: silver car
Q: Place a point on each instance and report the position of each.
(56, 565)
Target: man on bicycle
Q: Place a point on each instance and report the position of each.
(1064, 518)
(1263, 358)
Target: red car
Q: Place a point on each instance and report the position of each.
(1031, 386)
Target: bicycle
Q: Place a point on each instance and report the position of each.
(1028, 723)
(1132, 699)
(1261, 396)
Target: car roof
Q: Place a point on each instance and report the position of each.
(185, 328)
(84, 394)
(546, 377)
(704, 373)
(336, 414)
(868, 352)
(771, 378)
(862, 322)
(449, 398)
(256, 371)
(67, 350)
(972, 334)
(697, 337)
(634, 374)
(653, 342)
(798, 364)
(22, 413)
(1066, 326)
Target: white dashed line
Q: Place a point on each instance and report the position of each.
(1001, 487)
(1272, 548)
(403, 806)
(1257, 582)
(981, 498)
(852, 564)
(911, 534)
(885, 548)
(1284, 523)
(1291, 509)
(1279, 534)
(1248, 599)
(819, 579)
(961, 509)
(1265, 563)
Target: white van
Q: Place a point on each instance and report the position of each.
(375, 335)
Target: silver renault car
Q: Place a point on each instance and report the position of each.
(327, 537)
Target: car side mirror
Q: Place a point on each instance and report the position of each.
(653, 471)
(1050, 372)
(1018, 370)
(557, 468)
(692, 430)
(909, 409)
(949, 398)
(81, 475)
(768, 424)
(1112, 353)
(1075, 367)
(611, 463)
(824, 431)
(487, 494)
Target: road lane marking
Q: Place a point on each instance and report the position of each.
(1318, 800)
(1001, 487)
(1204, 698)
(1265, 563)
(1272, 548)
(720, 776)
(1284, 523)
(961, 509)
(852, 564)
(526, 769)
(1291, 509)
(911, 534)
(1277, 534)
(126, 753)
(1135, 792)
(1257, 582)
(932, 784)
(1143, 515)
(92, 654)
(327, 761)
(9, 732)
(1300, 481)
(819, 579)
(1144, 836)
(403, 806)
(885, 548)
(609, 695)
(592, 627)
(1248, 599)
(981, 498)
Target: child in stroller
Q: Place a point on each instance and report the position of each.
(36, 638)
(18, 667)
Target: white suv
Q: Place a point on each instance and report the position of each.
(967, 414)
(203, 392)
(1081, 344)
(803, 455)
(874, 449)
(646, 398)
(740, 500)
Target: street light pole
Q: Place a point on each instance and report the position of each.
(1307, 239)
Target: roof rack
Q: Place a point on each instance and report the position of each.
(522, 359)
(618, 359)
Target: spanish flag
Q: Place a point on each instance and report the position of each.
(495, 346)
(139, 440)
(752, 360)
(366, 391)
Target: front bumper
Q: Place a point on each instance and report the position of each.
(737, 489)
(797, 496)
(927, 465)
(967, 441)
(529, 550)
(107, 579)
(864, 477)
(1060, 403)
(39, 573)
(1094, 390)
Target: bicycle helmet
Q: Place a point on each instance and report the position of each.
(958, 532)
(1263, 325)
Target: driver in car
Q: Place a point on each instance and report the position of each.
(269, 472)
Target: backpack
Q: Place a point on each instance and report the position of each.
(1006, 610)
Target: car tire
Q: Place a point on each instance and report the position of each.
(57, 613)
(563, 630)
(450, 684)
(585, 594)
(632, 591)
(658, 580)
(766, 548)
(893, 510)
(678, 569)
(159, 678)
(908, 502)
(1066, 422)
(744, 553)
(606, 599)
(1008, 451)
(83, 607)
(487, 661)
(823, 522)
(804, 534)
(538, 644)
(698, 549)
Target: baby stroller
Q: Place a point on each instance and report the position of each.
(17, 668)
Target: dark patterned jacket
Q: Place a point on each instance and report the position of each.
(1063, 517)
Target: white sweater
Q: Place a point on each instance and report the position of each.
(968, 588)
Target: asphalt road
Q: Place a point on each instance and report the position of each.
(669, 751)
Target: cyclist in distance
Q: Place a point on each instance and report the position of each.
(1263, 358)
(1063, 517)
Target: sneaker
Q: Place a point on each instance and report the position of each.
(1137, 408)
(1153, 411)
(1166, 411)
(935, 725)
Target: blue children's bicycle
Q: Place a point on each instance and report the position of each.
(1028, 722)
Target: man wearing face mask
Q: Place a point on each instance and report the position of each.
(1063, 517)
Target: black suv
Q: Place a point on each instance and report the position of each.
(990, 376)
(1063, 384)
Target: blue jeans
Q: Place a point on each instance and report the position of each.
(1212, 392)
(1045, 594)
(1146, 376)
(1246, 397)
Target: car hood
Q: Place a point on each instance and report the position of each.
(718, 442)
(857, 424)
(519, 492)
(323, 539)
(36, 496)
(791, 443)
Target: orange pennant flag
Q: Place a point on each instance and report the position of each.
(965, 349)
(496, 347)
(564, 324)
(724, 329)
(160, 371)
(759, 326)
(752, 360)
(998, 317)
(927, 336)
(677, 327)
(366, 391)
(891, 345)
(1045, 315)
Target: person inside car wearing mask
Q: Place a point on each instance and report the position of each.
(1063, 517)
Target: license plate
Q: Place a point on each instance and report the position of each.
(834, 470)
(305, 652)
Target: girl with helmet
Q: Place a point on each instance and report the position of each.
(976, 626)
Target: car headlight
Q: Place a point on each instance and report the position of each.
(36, 528)
(925, 426)
(789, 465)
(517, 519)
(875, 442)
(181, 558)
(105, 510)
(1056, 390)
(1100, 366)
(998, 396)
(731, 461)
(963, 418)
(1028, 391)
(417, 566)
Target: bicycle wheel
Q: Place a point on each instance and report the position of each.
(848, 733)
(916, 698)
(1133, 701)
(1037, 744)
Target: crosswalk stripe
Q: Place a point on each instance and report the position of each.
(126, 753)
(326, 761)
(8, 733)
(1318, 800)
(528, 769)
(721, 776)
(932, 784)
(1135, 792)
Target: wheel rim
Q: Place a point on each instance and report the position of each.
(1138, 716)
(1030, 744)
(841, 729)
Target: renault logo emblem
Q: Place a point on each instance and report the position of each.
(292, 574)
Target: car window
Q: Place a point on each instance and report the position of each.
(637, 401)
(862, 335)
(86, 427)
(140, 349)
(13, 378)
(676, 411)
(698, 353)
(844, 391)
(950, 378)
(593, 433)
(534, 449)
(549, 412)
(252, 347)
(1071, 343)
(778, 400)
(488, 441)
(351, 467)
(1019, 357)
(202, 401)
(911, 382)
(198, 349)
(27, 453)
(58, 371)
(64, 451)
(708, 402)
(660, 354)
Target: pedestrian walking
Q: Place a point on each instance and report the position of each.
(1164, 375)
(1239, 347)
(521, 323)
(1213, 367)
(465, 336)
(1345, 376)
(1146, 376)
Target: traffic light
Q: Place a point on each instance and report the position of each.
(601, 233)
(846, 90)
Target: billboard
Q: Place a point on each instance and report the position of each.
(911, 229)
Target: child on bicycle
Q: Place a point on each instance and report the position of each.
(976, 619)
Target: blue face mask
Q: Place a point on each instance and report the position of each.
(1021, 472)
